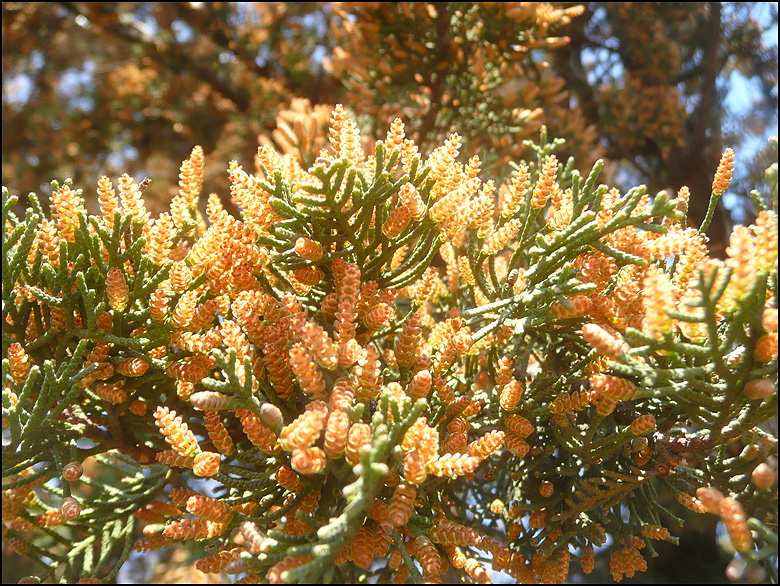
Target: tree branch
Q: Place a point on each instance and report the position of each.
(711, 66)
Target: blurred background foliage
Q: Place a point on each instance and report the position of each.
(658, 90)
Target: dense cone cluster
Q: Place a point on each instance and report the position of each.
(384, 368)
